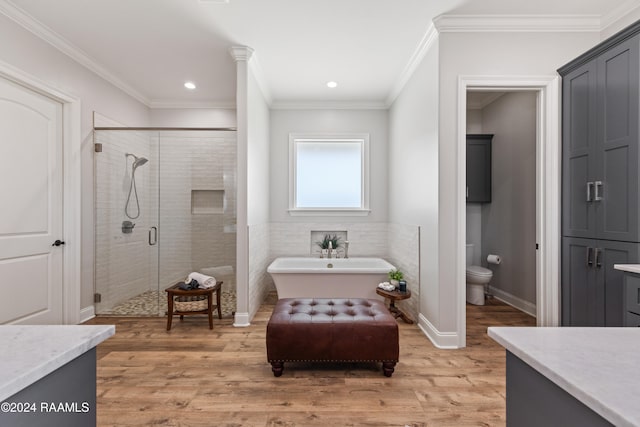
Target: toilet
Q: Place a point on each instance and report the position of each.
(477, 278)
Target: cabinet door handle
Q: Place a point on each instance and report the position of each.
(598, 263)
(598, 195)
(589, 192)
(589, 252)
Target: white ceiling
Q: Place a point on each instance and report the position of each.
(151, 47)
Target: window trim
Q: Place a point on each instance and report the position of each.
(362, 138)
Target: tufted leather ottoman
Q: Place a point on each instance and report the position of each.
(332, 330)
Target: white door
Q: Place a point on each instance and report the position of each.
(30, 207)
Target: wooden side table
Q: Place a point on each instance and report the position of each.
(174, 291)
(394, 296)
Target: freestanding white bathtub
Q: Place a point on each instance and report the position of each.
(329, 278)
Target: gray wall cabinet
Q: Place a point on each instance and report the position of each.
(600, 179)
(600, 146)
(479, 168)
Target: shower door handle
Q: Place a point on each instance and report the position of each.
(153, 231)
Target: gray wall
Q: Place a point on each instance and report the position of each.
(509, 221)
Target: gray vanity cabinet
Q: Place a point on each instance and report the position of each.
(600, 146)
(592, 290)
(600, 179)
(479, 168)
(632, 299)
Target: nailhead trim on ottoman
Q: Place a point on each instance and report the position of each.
(332, 330)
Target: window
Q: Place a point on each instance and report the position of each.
(329, 174)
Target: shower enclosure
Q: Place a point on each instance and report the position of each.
(165, 206)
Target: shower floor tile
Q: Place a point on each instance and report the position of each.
(146, 304)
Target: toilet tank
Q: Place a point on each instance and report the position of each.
(469, 254)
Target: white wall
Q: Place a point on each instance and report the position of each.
(23, 50)
(509, 221)
(481, 54)
(373, 122)
(413, 177)
(258, 193)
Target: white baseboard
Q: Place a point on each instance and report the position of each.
(242, 320)
(513, 301)
(87, 313)
(444, 340)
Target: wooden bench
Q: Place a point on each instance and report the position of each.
(204, 306)
(332, 330)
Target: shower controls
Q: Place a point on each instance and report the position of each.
(127, 227)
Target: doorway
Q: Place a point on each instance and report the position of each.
(548, 151)
(40, 235)
(501, 213)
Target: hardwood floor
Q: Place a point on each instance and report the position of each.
(194, 376)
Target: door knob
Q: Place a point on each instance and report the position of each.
(58, 243)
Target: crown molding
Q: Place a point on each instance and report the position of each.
(54, 39)
(430, 37)
(329, 105)
(618, 13)
(240, 53)
(486, 101)
(168, 103)
(517, 23)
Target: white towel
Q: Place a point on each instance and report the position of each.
(204, 281)
(386, 286)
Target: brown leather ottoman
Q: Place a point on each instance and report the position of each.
(332, 330)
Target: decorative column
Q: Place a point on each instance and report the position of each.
(242, 55)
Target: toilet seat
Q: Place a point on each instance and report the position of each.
(476, 270)
(478, 275)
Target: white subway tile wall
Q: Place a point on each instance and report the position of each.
(260, 282)
(297, 239)
(404, 253)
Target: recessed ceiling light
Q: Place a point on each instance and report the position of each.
(332, 84)
(190, 85)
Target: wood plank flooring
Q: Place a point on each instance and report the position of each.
(193, 376)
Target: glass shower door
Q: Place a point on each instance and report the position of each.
(126, 224)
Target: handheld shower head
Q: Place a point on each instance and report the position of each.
(140, 161)
(137, 161)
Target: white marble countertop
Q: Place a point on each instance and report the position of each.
(29, 353)
(597, 366)
(631, 268)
